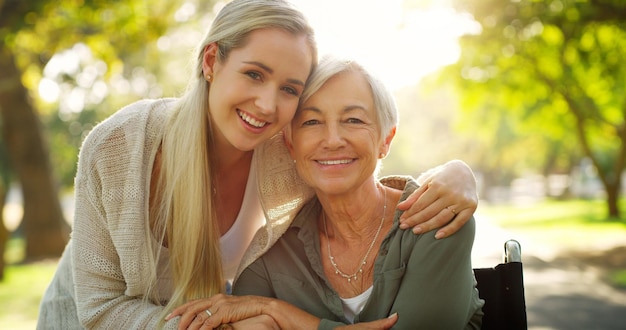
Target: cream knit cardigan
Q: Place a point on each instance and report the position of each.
(102, 274)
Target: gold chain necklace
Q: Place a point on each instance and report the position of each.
(364, 261)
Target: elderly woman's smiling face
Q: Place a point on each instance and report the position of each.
(335, 136)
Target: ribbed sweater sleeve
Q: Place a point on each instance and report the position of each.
(109, 249)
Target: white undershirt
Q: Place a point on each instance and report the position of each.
(236, 240)
(353, 306)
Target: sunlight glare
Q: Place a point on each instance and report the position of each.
(49, 90)
(400, 46)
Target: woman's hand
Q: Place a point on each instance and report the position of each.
(222, 309)
(261, 322)
(382, 324)
(230, 310)
(447, 196)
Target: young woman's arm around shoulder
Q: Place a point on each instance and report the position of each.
(446, 200)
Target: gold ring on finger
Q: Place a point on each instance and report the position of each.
(451, 210)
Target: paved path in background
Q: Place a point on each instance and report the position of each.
(562, 292)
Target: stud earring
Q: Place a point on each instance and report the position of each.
(208, 77)
(382, 155)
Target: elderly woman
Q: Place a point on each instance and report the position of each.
(344, 259)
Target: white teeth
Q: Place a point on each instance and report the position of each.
(334, 162)
(251, 120)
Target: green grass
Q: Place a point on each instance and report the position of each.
(21, 292)
(572, 224)
(14, 252)
(618, 278)
(587, 213)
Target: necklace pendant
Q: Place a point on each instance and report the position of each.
(369, 249)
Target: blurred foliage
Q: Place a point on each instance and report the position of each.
(81, 60)
(618, 278)
(427, 134)
(542, 86)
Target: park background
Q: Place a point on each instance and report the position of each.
(531, 94)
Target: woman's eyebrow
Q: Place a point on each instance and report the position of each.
(270, 70)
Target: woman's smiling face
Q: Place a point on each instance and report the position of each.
(255, 91)
(335, 136)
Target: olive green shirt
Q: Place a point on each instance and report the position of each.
(428, 282)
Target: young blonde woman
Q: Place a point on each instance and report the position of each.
(170, 192)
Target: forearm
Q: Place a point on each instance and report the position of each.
(288, 316)
(101, 301)
(124, 313)
(457, 167)
(446, 199)
(255, 280)
(103, 296)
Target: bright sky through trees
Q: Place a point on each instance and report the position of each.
(402, 46)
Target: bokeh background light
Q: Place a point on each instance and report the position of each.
(401, 44)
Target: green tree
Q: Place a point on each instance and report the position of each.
(31, 33)
(4, 183)
(544, 74)
(28, 153)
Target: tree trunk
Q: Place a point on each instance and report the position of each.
(612, 192)
(4, 232)
(45, 230)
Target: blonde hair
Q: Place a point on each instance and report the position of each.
(184, 209)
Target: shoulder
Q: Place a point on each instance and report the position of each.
(133, 122)
(408, 185)
(306, 217)
(281, 189)
(134, 115)
(123, 141)
(400, 182)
